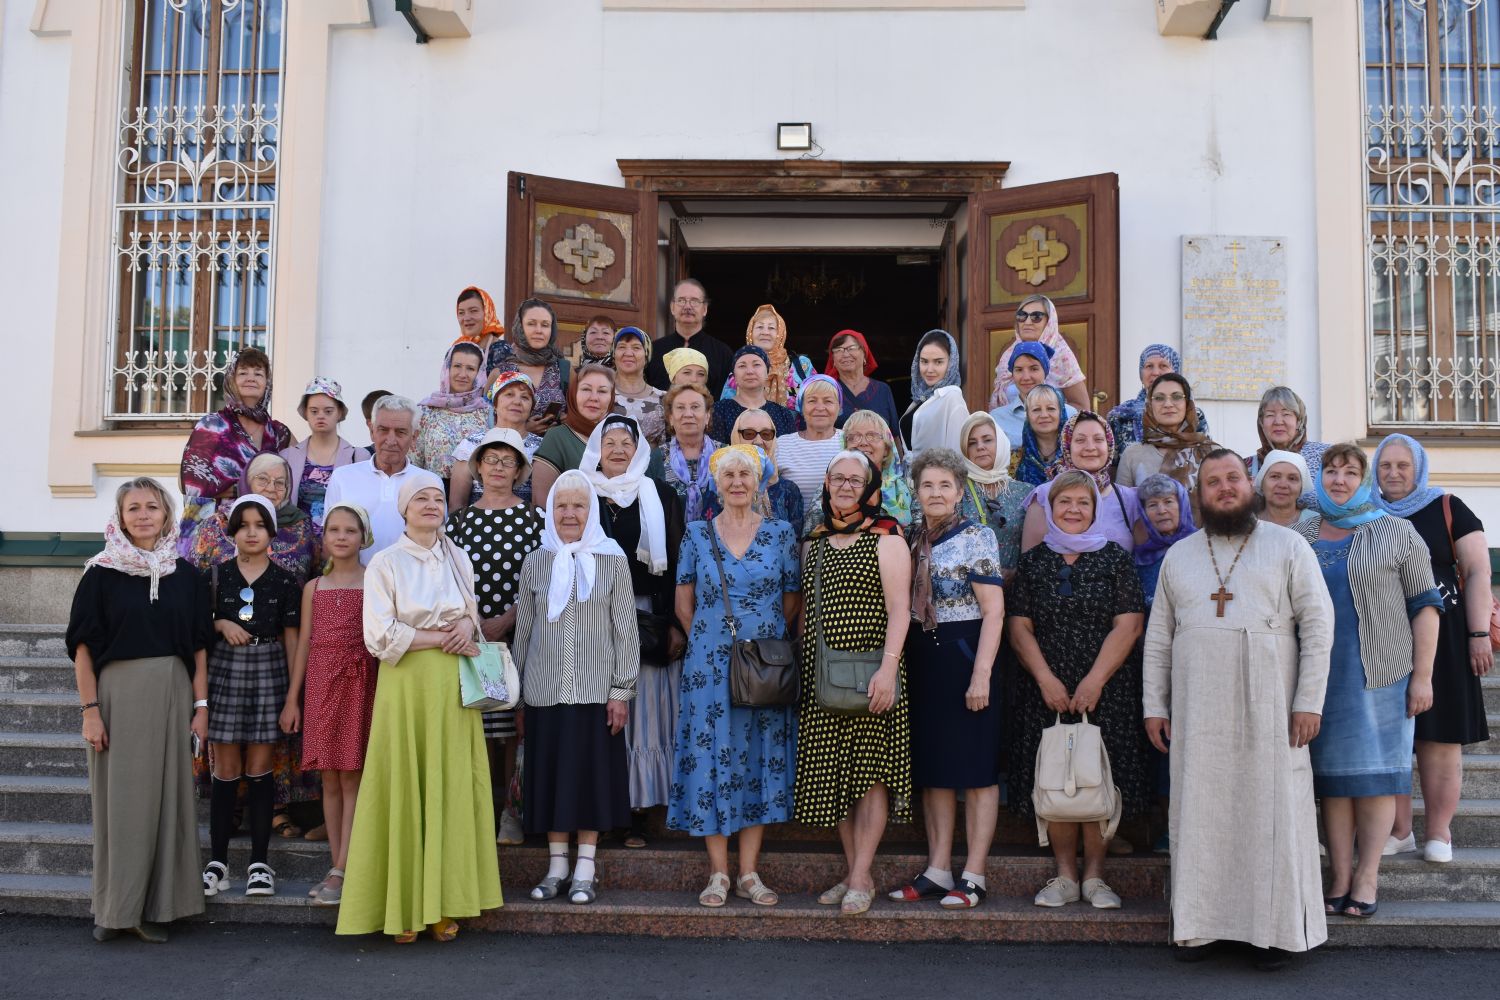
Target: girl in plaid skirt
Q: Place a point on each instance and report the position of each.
(257, 611)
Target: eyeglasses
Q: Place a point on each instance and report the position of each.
(686, 302)
(846, 482)
(872, 437)
(848, 349)
(262, 482)
(750, 434)
(503, 461)
(1176, 397)
(247, 612)
(1035, 315)
(1065, 581)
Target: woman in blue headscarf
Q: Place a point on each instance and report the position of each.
(1386, 607)
(1041, 436)
(1128, 419)
(1461, 567)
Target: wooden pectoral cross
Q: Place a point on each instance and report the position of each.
(1221, 597)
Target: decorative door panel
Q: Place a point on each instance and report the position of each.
(586, 249)
(1061, 240)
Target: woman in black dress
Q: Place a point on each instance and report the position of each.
(137, 634)
(1076, 611)
(498, 531)
(1461, 567)
(615, 461)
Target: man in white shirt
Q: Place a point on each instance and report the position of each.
(373, 484)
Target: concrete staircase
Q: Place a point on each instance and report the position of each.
(46, 843)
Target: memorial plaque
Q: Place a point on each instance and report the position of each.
(1234, 323)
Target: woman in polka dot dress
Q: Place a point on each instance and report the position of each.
(498, 531)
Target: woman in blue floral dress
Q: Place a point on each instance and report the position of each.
(733, 766)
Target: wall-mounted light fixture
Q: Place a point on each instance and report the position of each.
(794, 135)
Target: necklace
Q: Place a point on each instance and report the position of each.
(1223, 596)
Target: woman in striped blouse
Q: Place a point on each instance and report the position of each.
(1380, 678)
(579, 652)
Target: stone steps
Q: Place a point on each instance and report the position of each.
(665, 914)
(40, 712)
(33, 640)
(36, 673)
(1492, 746)
(63, 755)
(1476, 823)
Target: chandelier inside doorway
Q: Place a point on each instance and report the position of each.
(814, 282)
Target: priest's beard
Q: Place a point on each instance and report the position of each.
(1238, 520)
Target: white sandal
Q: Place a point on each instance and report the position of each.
(752, 888)
(834, 896)
(716, 893)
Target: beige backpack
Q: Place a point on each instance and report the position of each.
(1073, 782)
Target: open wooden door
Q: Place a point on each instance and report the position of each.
(586, 249)
(1062, 240)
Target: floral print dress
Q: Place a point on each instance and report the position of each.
(733, 766)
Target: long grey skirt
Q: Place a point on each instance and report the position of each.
(147, 865)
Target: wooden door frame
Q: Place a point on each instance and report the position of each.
(844, 180)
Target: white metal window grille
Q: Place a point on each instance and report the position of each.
(1432, 135)
(195, 206)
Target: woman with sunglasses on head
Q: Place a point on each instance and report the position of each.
(1036, 320)
(1075, 613)
(257, 611)
(780, 500)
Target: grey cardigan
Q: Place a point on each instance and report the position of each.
(592, 653)
(1390, 575)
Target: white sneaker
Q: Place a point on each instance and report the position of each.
(215, 879)
(260, 880)
(1102, 896)
(1403, 846)
(1058, 892)
(1437, 852)
(511, 833)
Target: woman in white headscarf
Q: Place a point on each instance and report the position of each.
(579, 652)
(644, 517)
(991, 497)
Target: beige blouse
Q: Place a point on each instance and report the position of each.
(409, 587)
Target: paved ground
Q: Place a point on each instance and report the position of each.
(54, 958)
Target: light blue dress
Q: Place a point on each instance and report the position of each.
(732, 766)
(1365, 744)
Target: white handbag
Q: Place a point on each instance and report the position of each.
(1073, 783)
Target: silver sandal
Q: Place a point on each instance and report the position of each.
(548, 887)
(584, 888)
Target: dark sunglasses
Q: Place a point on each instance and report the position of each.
(750, 434)
(1036, 316)
(1065, 581)
(247, 611)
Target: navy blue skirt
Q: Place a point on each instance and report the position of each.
(576, 775)
(951, 747)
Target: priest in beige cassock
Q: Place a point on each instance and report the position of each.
(1235, 668)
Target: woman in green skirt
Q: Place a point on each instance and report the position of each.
(422, 851)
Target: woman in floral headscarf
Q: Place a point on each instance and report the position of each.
(222, 444)
(1128, 419)
(478, 322)
(1033, 323)
(767, 330)
(459, 408)
(1171, 445)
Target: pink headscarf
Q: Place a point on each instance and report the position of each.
(474, 400)
(1064, 371)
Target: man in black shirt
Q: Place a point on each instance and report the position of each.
(689, 310)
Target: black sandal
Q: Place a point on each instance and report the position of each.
(1334, 904)
(918, 889)
(1362, 909)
